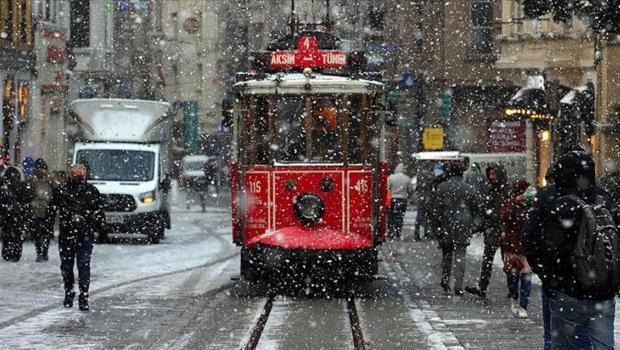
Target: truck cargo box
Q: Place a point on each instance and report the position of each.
(122, 120)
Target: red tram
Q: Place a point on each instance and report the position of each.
(308, 175)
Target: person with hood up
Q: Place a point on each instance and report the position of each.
(401, 188)
(472, 174)
(455, 206)
(496, 191)
(42, 216)
(550, 234)
(81, 214)
(438, 176)
(423, 193)
(516, 267)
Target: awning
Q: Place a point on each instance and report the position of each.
(577, 95)
(529, 103)
(578, 105)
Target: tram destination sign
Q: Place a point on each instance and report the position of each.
(308, 55)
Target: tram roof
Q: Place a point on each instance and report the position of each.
(297, 83)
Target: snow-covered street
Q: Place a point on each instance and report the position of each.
(195, 257)
(179, 295)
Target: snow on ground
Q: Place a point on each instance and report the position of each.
(475, 249)
(195, 239)
(31, 293)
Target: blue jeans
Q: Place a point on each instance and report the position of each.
(70, 250)
(568, 314)
(525, 290)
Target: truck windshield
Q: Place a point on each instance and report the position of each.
(118, 165)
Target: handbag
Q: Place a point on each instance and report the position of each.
(513, 263)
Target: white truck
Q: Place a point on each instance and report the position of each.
(124, 147)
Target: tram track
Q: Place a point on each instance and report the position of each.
(94, 293)
(356, 328)
(257, 331)
(258, 328)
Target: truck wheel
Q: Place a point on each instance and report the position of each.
(102, 238)
(153, 237)
(161, 231)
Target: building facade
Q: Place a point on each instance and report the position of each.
(443, 69)
(570, 57)
(17, 62)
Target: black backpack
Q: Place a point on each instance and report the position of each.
(595, 259)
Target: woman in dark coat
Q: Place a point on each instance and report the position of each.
(516, 267)
(16, 214)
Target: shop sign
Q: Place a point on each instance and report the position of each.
(506, 136)
(308, 55)
(56, 54)
(432, 139)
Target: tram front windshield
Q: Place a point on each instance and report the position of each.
(305, 129)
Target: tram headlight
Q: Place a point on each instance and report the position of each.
(309, 208)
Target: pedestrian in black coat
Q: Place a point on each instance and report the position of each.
(497, 190)
(80, 208)
(15, 197)
(455, 207)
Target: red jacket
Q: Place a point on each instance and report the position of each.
(512, 214)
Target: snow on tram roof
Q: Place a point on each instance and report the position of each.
(297, 83)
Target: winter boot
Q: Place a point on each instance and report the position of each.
(476, 291)
(445, 287)
(514, 306)
(521, 313)
(68, 302)
(83, 302)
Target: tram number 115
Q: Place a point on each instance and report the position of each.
(254, 186)
(361, 186)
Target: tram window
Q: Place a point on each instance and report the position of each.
(255, 145)
(290, 142)
(325, 132)
(362, 129)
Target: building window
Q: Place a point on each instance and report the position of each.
(482, 27)
(418, 8)
(376, 18)
(418, 34)
(174, 24)
(80, 23)
(45, 10)
(15, 23)
(156, 10)
(517, 19)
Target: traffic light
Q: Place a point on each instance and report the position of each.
(227, 113)
(391, 104)
(447, 104)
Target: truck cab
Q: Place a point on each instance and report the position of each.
(124, 148)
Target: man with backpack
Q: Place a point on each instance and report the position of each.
(571, 241)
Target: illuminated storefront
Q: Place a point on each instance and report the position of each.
(529, 104)
(16, 67)
(16, 111)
